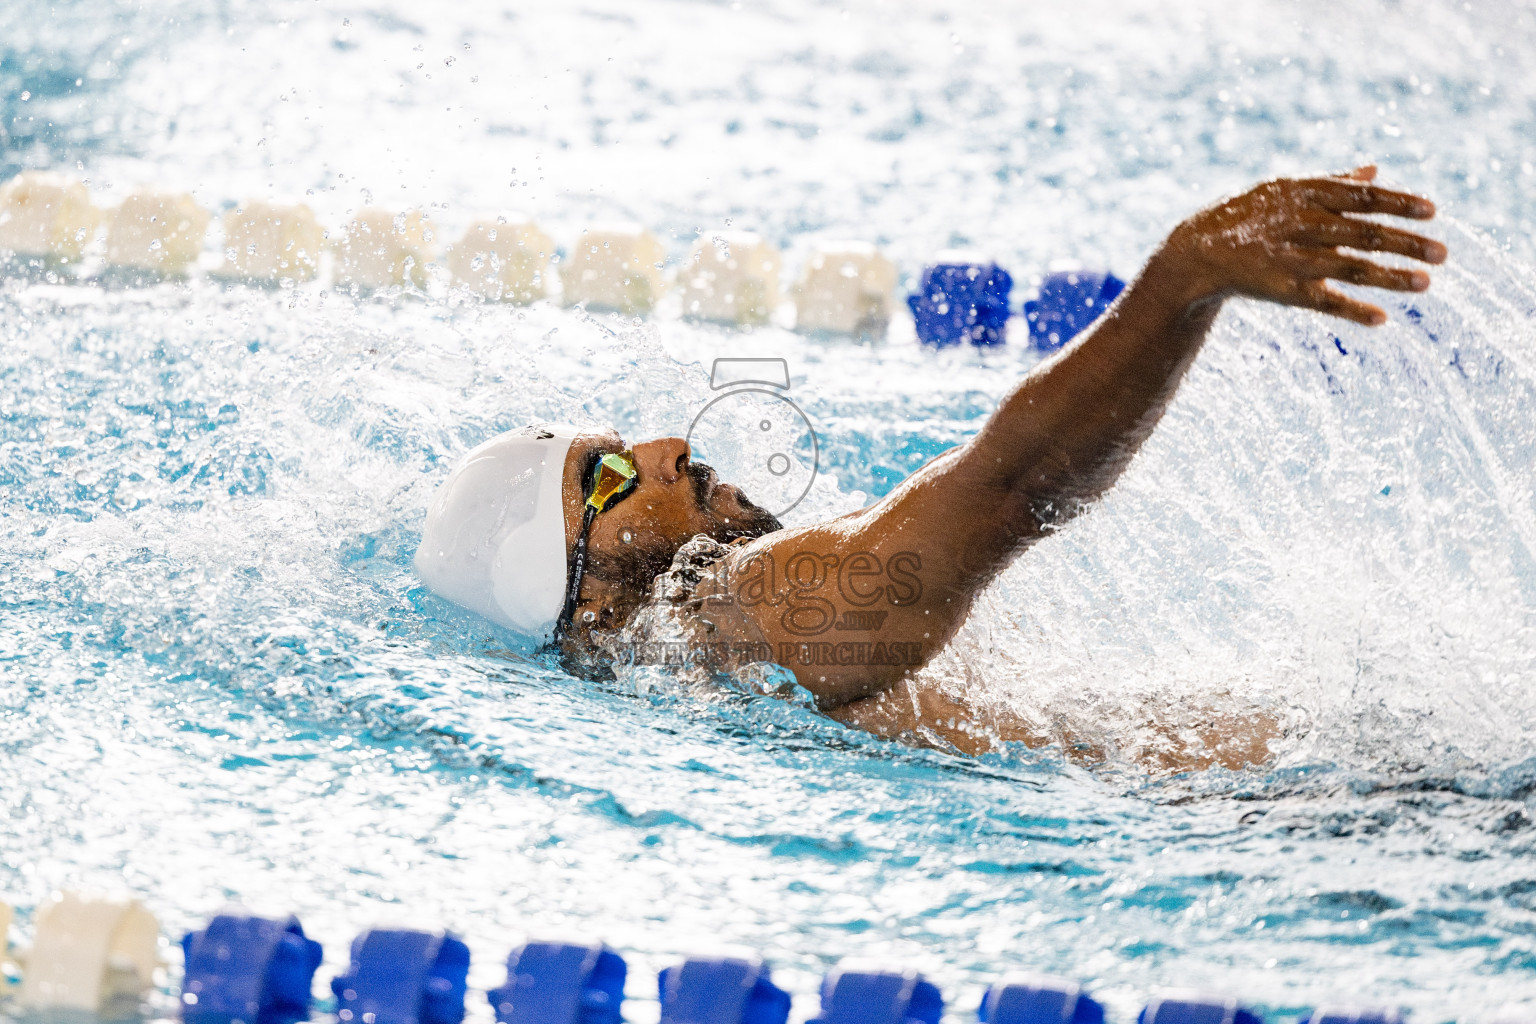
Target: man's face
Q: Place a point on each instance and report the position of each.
(674, 499)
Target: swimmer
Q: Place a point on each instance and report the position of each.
(586, 539)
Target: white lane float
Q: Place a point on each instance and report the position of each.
(46, 216)
(380, 249)
(846, 288)
(161, 232)
(506, 260)
(270, 243)
(731, 278)
(614, 266)
(96, 956)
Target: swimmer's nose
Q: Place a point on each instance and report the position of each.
(665, 459)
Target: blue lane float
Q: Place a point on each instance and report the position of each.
(244, 969)
(962, 299)
(721, 991)
(1068, 302)
(1038, 1000)
(1352, 1015)
(879, 997)
(561, 983)
(1196, 1008)
(403, 977)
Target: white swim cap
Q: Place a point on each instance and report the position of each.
(494, 541)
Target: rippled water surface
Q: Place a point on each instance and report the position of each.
(221, 680)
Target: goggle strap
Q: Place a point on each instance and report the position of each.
(578, 569)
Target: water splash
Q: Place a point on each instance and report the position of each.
(1333, 523)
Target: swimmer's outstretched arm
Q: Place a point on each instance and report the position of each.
(1065, 434)
(1059, 440)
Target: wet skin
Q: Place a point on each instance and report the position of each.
(922, 554)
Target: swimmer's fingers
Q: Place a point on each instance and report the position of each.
(1317, 295)
(1315, 264)
(1353, 195)
(1328, 231)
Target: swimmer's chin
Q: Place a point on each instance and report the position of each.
(747, 519)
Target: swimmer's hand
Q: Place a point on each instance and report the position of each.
(1284, 240)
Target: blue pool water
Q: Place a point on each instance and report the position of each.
(221, 680)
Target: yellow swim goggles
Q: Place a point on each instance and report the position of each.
(611, 481)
